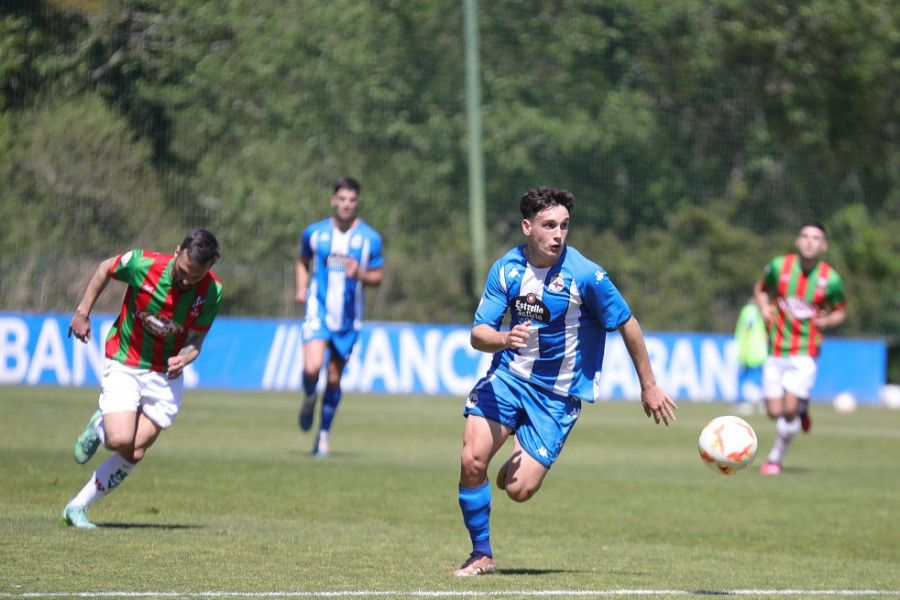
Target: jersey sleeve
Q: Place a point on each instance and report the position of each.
(770, 274)
(834, 291)
(493, 305)
(604, 299)
(376, 258)
(123, 269)
(306, 249)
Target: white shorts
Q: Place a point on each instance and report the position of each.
(793, 374)
(125, 388)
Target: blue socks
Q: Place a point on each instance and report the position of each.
(309, 385)
(330, 400)
(476, 510)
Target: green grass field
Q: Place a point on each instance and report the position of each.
(230, 503)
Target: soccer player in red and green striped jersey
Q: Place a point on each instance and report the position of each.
(799, 296)
(170, 303)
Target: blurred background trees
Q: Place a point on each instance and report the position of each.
(696, 136)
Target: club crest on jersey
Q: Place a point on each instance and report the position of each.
(557, 285)
(530, 308)
(472, 400)
(197, 306)
(356, 242)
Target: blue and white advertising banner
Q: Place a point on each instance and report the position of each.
(405, 358)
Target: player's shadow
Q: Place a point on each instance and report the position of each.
(324, 459)
(794, 470)
(146, 526)
(536, 571)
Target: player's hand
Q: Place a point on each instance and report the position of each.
(658, 405)
(80, 327)
(300, 298)
(177, 364)
(517, 337)
(351, 267)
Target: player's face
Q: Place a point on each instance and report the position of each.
(547, 235)
(345, 202)
(186, 274)
(811, 243)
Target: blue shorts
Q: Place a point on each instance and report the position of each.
(340, 342)
(541, 419)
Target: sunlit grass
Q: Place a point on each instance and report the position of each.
(231, 501)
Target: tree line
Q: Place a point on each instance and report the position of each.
(696, 135)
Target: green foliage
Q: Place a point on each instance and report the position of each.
(83, 176)
(696, 136)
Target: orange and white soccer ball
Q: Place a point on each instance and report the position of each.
(728, 444)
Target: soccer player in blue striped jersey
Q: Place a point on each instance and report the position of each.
(338, 257)
(560, 305)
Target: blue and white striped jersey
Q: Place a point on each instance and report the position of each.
(571, 306)
(332, 297)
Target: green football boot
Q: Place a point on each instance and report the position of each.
(76, 517)
(88, 442)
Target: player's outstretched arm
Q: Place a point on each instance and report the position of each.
(654, 399)
(80, 325)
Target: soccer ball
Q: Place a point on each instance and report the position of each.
(727, 444)
(844, 403)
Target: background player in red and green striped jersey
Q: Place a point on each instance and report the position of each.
(170, 303)
(800, 296)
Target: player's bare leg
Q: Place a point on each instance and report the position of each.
(313, 358)
(523, 474)
(481, 441)
(330, 401)
(787, 425)
(128, 434)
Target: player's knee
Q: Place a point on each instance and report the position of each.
(521, 491)
(472, 468)
(119, 442)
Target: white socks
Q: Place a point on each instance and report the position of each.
(785, 432)
(105, 479)
(100, 430)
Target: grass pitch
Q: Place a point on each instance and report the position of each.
(230, 503)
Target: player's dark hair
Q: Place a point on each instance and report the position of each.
(543, 197)
(347, 183)
(201, 246)
(817, 224)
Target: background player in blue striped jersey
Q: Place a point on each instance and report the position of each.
(561, 305)
(338, 256)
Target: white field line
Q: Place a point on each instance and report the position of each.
(449, 594)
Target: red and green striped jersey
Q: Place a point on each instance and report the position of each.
(156, 316)
(798, 297)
